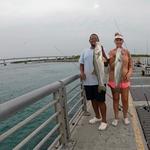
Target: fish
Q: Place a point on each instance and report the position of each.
(98, 64)
(118, 68)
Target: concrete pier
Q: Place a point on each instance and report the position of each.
(122, 137)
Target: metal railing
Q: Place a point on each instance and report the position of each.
(64, 124)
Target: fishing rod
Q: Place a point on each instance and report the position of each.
(63, 54)
(148, 105)
(147, 52)
(146, 98)
(121, 107)
(117, 26)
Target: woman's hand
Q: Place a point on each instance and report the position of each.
(82, 76)
(127, 77)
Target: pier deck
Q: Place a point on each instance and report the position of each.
(123, 137)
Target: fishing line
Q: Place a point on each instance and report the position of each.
(119, 105)
(63, 54)
(117, 27)
(77, 65)
(148, 105)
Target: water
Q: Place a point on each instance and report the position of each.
(22, 78)
(19, 79)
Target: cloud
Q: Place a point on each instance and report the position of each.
(33, 27)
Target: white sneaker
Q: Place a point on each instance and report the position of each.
(94, 120)
(115, 122)
(102, 126)
(126, 121)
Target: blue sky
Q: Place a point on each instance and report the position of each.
(35, 27)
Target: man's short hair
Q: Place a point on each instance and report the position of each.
(95, 35)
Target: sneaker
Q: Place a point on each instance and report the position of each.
(115, 122)
(94, 120)
(102, 126)
(126, 121)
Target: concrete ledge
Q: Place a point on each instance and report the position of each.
(138, 133)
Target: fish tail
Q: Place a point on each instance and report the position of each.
(93, 72)
(101, 88)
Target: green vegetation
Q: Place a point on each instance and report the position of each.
(140, 55)
(74, 58)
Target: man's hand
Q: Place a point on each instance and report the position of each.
(105, 61)
(82, 76)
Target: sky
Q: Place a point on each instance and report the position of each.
(41, 27)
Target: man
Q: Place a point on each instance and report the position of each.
(90, 82)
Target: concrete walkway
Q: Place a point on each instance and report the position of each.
(88, 137)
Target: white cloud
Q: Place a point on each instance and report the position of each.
(32, 8)
(33, 27)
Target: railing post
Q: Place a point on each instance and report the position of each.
(84, 101)
(58, 108)
(63, 116)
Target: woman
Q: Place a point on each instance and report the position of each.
(119, 78)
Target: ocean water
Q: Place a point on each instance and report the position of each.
(18, 79)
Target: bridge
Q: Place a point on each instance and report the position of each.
(67, 120)
(38, 59)
(144, 59)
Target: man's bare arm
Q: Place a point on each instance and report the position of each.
(82, 74)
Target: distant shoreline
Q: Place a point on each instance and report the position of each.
(46, 59)
(43, 61)
(68, 57)
(140, 55)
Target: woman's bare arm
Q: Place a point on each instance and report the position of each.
(130, 64)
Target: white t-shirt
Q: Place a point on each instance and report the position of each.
(86, 58)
